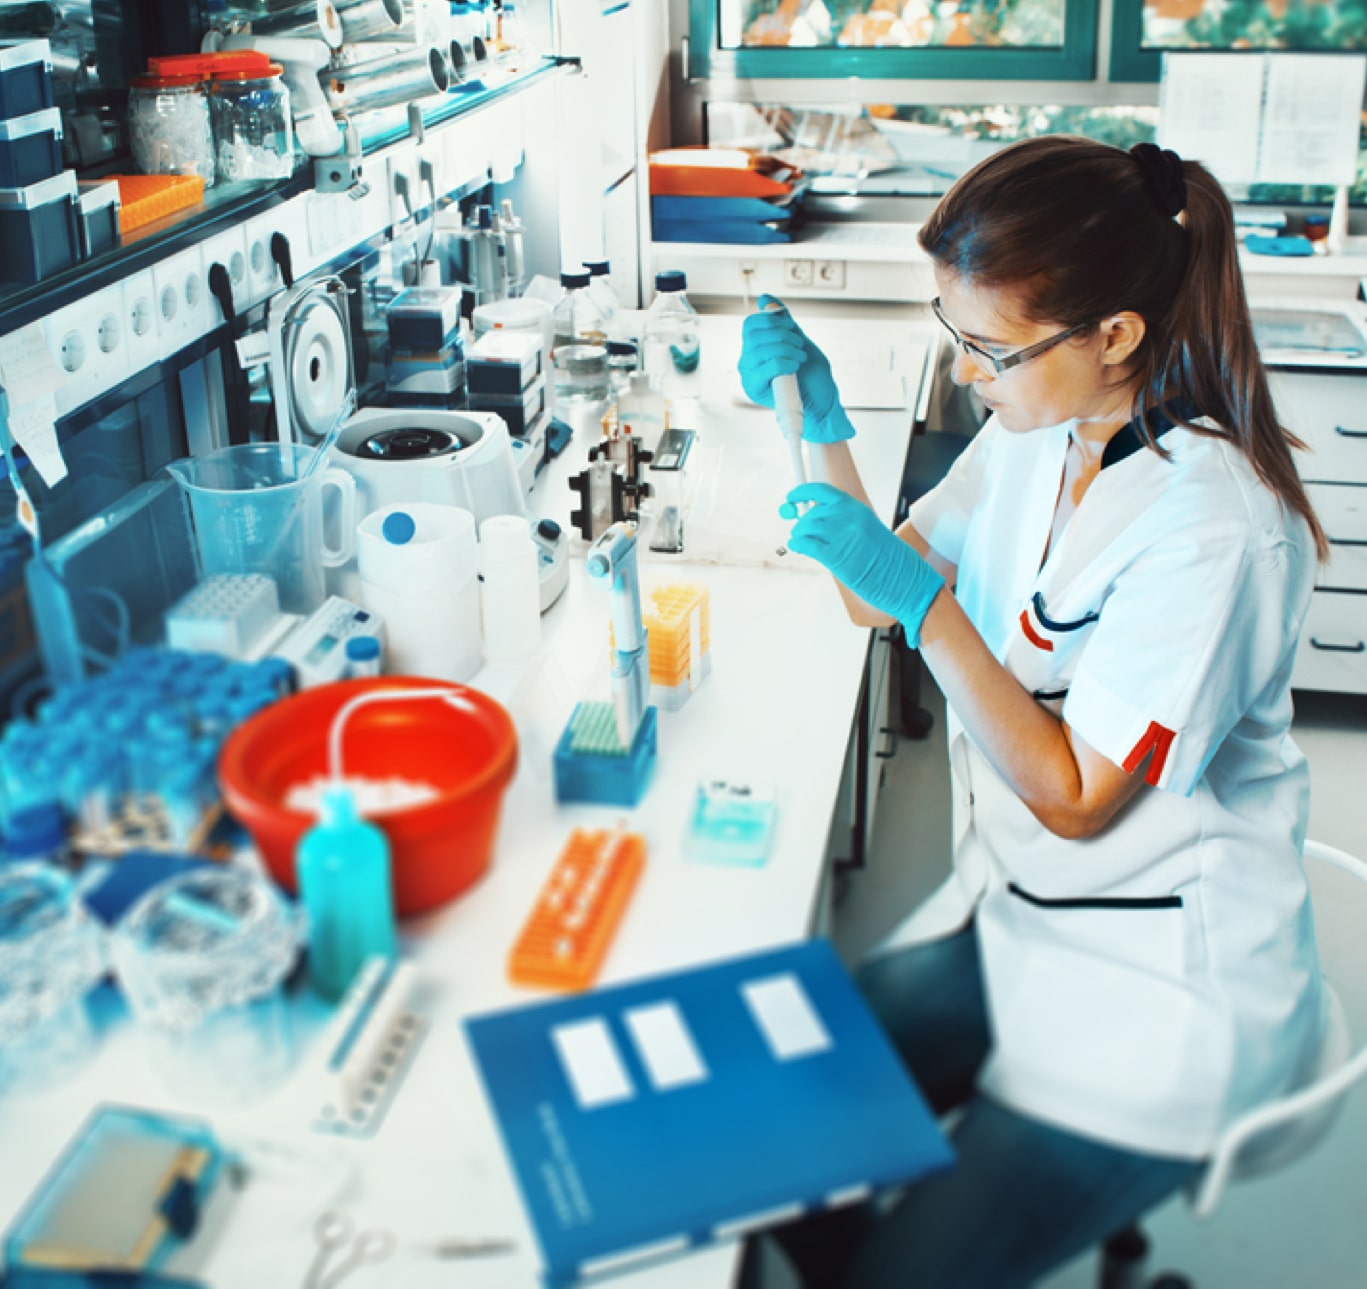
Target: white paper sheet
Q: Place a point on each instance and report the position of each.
(1209, 110)
(34, 427)
(1310, 118)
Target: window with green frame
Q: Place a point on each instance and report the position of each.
(959, 39)
(1143, 29)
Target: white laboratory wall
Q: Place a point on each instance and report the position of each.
(608, 119)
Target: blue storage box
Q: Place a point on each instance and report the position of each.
(519, 411)
(39, 235)
(98, 209)
(25, 77)
(30, 148)
(128, 1189)
(424, 318)
(605, 778)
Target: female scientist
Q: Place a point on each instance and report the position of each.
(1108, 587)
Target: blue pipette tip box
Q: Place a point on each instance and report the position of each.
(606, 778)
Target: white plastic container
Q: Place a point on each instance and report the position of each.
(522, 314)
(511, 590)
(419, 571)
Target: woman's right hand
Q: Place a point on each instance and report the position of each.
(774, 345)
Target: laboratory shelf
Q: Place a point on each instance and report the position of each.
(229, 206)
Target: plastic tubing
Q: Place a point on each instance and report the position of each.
(451, 695)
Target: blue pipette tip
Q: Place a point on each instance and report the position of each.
(398, 528)
(788, 510)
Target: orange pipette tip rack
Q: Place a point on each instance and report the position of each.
(145, 198)
(576, 914)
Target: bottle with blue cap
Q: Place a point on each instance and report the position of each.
(342, 866)
(362, 657)
(577, 319)
(670, 334)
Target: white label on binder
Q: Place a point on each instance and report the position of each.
(592, 1063)
(786, 1017)
(665, 1045)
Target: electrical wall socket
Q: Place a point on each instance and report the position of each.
(797, 273)
(829, 274)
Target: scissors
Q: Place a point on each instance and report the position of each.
(334, 1231)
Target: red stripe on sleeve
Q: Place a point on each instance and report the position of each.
(1157, 739)
(1034, 636)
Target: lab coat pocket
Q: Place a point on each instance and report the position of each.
(1096, 1023)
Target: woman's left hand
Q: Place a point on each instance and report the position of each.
(870, 559)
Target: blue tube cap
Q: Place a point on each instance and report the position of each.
(398, 528)
(362, 648)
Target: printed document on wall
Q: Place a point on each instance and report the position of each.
(1311, 118)
(1209, 109)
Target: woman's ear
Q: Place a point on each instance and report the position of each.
(1121, 335)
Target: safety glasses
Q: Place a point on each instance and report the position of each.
(991, 365)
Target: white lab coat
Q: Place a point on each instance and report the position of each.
(1148, 984)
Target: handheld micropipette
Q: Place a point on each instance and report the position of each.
(788, 409)
(612, 559)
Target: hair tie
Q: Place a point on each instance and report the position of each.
(1162, 168)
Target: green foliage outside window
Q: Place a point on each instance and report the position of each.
(1255, 24)
(896, 24)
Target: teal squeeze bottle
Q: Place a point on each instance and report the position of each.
(342, 865)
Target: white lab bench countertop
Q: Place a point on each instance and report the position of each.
(787, 667)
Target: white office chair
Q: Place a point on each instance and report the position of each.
(1266, 1138)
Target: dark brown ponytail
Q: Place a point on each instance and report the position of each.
(1075, 228)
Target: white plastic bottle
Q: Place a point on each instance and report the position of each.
(510, 590)
(600, 288)
(577, 319)
(670, 334)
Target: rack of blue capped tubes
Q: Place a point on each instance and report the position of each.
(144, 736)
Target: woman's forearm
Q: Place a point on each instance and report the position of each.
(833, 464)
(1071, 789)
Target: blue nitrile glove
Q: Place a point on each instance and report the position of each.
(878, 566)
(774, 345)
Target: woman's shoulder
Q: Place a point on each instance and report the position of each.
(1217, 490)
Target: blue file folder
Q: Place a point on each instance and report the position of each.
(698, 210)
(647, 1119)
(740, 231)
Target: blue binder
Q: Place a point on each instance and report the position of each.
(648, 1119)
(740, 231)
(701, 209)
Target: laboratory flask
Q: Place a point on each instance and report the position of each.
(258, 508)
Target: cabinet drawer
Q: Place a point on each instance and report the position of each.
(1342, 509)
(1333, 649)
(1328, 413)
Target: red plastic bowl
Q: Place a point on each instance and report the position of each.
(438, 848)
